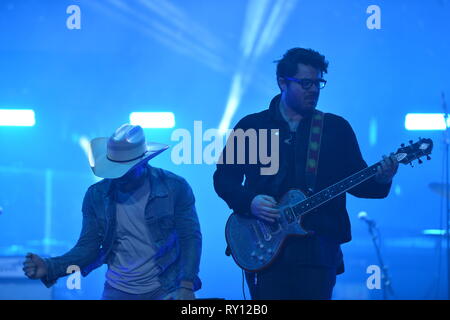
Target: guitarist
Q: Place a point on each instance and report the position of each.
(306, 267)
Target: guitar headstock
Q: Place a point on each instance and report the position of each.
(421, 148)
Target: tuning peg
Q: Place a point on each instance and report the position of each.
(402, 145)
(428, 157)
(411, 164)
(420, 161)
(410, 142)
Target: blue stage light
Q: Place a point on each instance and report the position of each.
(17, 117)
(425, 121)
(153, 119)
(433, 232)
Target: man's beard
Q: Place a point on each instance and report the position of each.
(133, 179)
(305, 112)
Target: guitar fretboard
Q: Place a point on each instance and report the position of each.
(333, 191)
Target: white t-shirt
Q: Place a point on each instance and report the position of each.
(132, 267)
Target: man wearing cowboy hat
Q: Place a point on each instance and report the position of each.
(139, 220)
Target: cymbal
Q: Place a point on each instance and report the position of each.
(440, 189)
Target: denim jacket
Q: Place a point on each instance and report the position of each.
(172, 222)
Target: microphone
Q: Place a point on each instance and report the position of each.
(364, 217)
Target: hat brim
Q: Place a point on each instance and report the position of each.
(105, 168)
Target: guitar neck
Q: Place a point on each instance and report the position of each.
(335, 190)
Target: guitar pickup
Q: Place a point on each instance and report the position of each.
(289, 214)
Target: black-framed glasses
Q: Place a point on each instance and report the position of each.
(307, 83)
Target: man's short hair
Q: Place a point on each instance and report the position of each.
(287, 66)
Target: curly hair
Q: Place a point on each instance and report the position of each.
(287, 66)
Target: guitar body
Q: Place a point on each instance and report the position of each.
(254, 243)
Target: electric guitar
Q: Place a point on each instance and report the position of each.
(254, 243)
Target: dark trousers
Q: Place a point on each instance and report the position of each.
(284, 281)
(305, 269)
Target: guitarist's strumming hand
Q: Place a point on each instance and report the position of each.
(387, 170)
(264, 208)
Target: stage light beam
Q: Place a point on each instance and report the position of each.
(17, 118)
(425, 121)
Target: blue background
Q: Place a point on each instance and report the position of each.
(182, 57)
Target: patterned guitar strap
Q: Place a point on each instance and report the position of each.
(312, 156)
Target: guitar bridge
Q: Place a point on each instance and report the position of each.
(269, 230)
(265, 232)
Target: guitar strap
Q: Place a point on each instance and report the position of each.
(312, 156)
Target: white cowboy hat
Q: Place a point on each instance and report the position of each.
(113, 157)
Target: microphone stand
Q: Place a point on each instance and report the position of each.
(447, 193)
(385, 279)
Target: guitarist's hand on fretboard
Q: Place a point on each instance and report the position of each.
(387, 169)
(264, 207)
